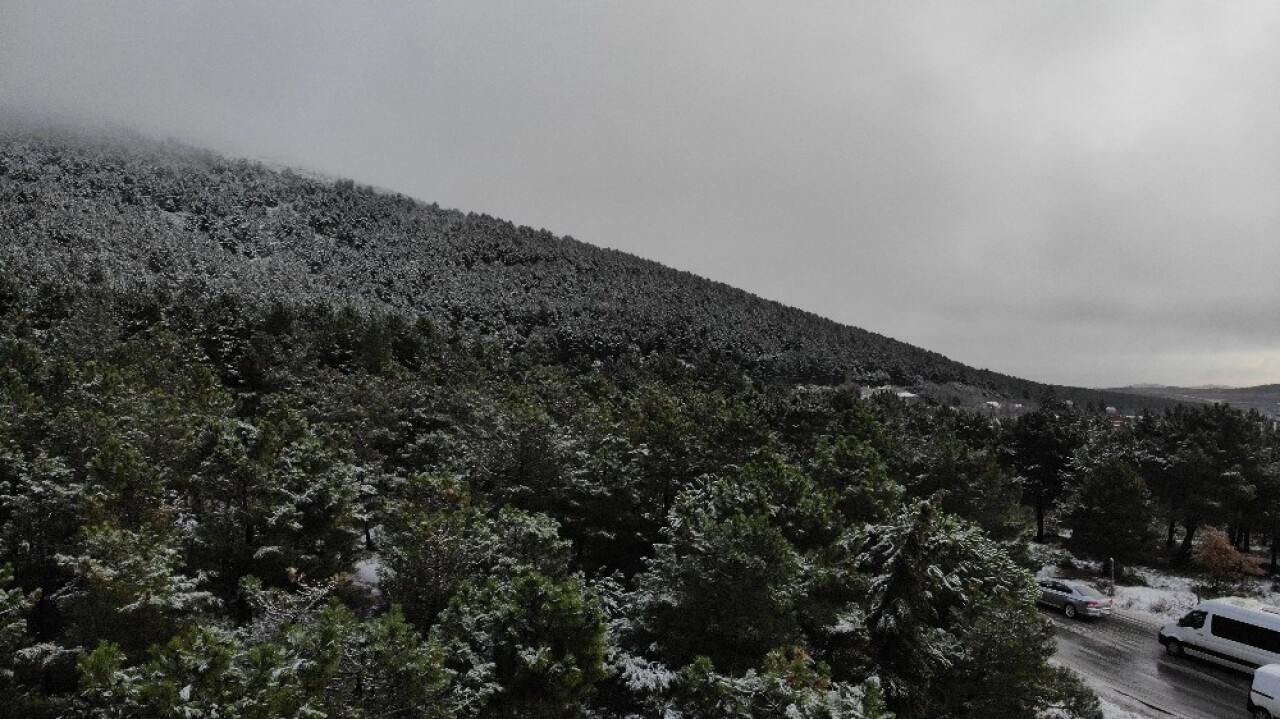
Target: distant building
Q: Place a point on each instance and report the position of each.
(1117, 419)
(902, 394)
(869, 392)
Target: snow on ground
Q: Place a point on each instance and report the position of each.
(1166, 597)
(1111, 711)
(367, 571)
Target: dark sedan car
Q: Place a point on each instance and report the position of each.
(1075, 598)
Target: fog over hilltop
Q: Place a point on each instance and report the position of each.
(1080, 193)
(120, 212)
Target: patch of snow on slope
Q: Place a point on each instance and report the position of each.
(1111, 711)
(367, 571)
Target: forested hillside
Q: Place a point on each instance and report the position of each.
(209, 508)
(130, 213)
(272, 446)
(213, 509)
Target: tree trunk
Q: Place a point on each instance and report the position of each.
(1184, 550)
(1039, 520)
(1173, 530)
(1275, 550)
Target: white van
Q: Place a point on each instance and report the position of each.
(1238, 632)
(1264, 695)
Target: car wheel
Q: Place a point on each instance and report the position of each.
(1174, 647)
(1069, 609)
(1261, 713)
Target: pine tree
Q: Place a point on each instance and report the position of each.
(1039, 447)
(721, 542)
(525, 646)
(931, 575)
(909, 647)
(128, 588)
(15, 605)
(1111, 516)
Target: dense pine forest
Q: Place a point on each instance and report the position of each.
(357, 471)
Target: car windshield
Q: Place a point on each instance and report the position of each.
(1087, 590)
(1194, 619)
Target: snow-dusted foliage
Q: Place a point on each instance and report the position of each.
(126, 587)
(229, 395)
(126, 213)
(951, 625)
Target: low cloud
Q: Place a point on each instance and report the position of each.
(1065, 191)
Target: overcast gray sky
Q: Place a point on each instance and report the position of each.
(1076, 192)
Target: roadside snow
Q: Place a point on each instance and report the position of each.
(1165, 599)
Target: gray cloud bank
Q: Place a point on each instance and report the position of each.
(1075, 192)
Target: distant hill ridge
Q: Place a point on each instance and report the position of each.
(124, 212)
(1264, 398)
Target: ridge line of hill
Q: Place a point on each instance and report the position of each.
(131, 213)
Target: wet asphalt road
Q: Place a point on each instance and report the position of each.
(1120, 658)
